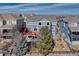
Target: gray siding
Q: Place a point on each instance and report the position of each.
(31, 26)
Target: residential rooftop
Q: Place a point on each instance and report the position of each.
(29, 17)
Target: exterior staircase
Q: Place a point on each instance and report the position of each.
(66, 31)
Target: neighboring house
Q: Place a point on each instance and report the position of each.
(35, 26)
(73, 23)
(33, 23)
(74, 33)
(6, 32)
(7, 23)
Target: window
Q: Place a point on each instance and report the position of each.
(39, 23)
(74, 39)
(6, 37)
(4, 22)
(47, 23)
(75, 33)
(9, 37)
(5, 31)
(35, 29)
(75, 36)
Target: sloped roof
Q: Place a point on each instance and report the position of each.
(30, 34)
(29, 17)
(7, 26)
(7, 17)
(40, 17)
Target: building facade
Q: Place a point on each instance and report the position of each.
(33, 23)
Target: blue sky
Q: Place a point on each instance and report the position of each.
(40, 8)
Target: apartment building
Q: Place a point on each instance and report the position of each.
(35, 22)
(74, 27)
(7, 23)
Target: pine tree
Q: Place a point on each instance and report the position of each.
(46, 43)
